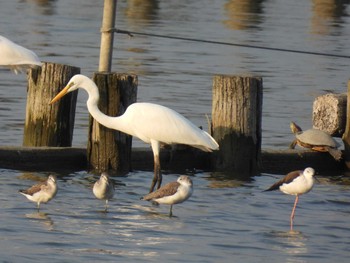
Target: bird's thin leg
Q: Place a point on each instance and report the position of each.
(157, 177)
(157, 174)
(293, 211)
(38, 207)
(106, 205)
(171, 211)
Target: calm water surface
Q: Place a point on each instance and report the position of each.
(226, 220)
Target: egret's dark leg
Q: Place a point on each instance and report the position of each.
(293, 212)
(157, 177)
(160, 176)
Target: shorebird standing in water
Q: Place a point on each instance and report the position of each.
(42, 192)
(295, 183)
(172, 193)
(104, 188)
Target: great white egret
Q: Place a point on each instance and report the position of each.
(16, 57)
(104, 189)
(152, 123)
(172, 193)
(42, 192)
(295, 183)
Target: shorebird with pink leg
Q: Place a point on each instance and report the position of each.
(295, 183)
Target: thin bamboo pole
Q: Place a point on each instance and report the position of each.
(107, 35)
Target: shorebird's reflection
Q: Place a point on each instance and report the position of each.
(43, 218)
(292, 243)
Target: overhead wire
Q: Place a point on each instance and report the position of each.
(132, 33)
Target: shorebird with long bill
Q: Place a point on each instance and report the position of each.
(295, 183)
(172, 193)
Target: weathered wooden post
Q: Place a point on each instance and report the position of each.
(346, 135)
(47, 125)
(236, 123)
(329, 113)
(109, 149)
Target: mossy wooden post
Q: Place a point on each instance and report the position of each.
(45, 124)
(110, 149)
(236, 123)
(346, 135)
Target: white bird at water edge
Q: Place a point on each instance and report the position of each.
(172, 193)
(42, 192)
(16, 57)
(295, 183)
(104, 189)
(152, 123)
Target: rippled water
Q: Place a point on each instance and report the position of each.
(226, 220)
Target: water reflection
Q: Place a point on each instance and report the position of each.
(42, 218)
(43, 7)
(243, 14)
(141, 10)
(327, 15)
(227, 180)
(291, 243)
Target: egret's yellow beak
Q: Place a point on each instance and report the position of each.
(62, 93)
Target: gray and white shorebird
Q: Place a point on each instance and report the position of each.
(104, 188)
(42, 192)
(172, 193)
(295, 183)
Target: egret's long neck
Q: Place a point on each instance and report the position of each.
(92, 105)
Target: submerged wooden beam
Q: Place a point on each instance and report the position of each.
(68, 159)
(43, 158)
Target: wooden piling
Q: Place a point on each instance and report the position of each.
(236, 123)
(110, 150)
(346, 135)
(49, 125)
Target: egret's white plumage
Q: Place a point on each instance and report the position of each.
(172, 193)
(295, 183)
(104, 189)
(42, 192)
(16, 57)
(152, 123)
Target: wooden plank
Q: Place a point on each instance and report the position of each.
(43, 158)
(69, 159)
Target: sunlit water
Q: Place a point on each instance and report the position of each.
(225, 220)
